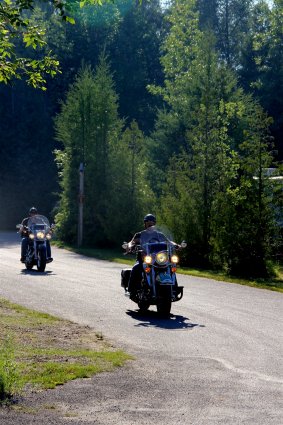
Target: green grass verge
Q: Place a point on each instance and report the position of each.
(274, 284)
(42, 351)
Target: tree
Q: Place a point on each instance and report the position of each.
(179, 50)
(261, 72)
(134, 53)
(246, 228)
(131, 194)
(206, 165)
(233, 25)
(87, 125)
(91, 132)
(229, 21)
(218, 148)
(199, 92)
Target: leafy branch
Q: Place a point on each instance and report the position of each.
(18, 29)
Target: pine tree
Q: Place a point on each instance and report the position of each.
(87, 126)
(262, 66)
(246, 228)
(91, 132)
(131, 195)
(135, 52)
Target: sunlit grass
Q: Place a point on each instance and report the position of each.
(57, 367)
(44, 351)
(11, 381)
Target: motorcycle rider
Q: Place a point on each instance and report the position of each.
(25, 237)
(149, 235)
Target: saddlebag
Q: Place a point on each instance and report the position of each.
(125, 276)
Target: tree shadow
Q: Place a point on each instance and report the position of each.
(9, 239)
(153, 319)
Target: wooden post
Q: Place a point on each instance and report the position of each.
(81, 204)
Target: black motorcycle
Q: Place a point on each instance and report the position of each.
(38, 231)
(159, 284)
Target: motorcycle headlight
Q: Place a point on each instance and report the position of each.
(162, 258)
(40, 235)
(48, 236)
(31, 236)
(148, 259)
(175, 259)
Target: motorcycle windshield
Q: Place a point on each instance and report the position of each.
(153, 248)
(39, 222)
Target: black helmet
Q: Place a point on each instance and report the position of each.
(33, 210)
(149, 217)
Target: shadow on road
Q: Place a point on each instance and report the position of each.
(36, 272)
(151, 318)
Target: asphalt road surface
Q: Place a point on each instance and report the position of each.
(216, 360)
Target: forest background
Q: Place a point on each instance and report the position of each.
(174, 108)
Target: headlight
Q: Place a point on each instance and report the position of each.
(148, 259)
(40, 235)
(175, 259)
(48, 236)
(162, 258)
(31, 236)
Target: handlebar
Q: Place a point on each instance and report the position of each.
(137, 248)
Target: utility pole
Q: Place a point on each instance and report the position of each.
(133, 147)
(81, 204)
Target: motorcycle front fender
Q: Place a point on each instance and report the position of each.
(30, 253)
(164, 290)
(39, 246)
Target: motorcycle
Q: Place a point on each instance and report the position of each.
(159, 284)
(39, 232)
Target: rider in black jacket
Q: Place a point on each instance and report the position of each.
(150, 234)
(25, 237)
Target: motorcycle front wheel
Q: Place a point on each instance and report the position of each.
(41, 259)
(29, 259)
(164, 306)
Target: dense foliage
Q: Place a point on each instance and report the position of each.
(174, 110)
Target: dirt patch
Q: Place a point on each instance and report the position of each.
(45, 331)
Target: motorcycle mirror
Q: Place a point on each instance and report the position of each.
(184, 244)
(18, 226)
(125, 245)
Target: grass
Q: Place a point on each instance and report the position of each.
(41, 351)
(10, 380)
(274, 284)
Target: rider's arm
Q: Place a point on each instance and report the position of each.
(176, 245)
(23, 230)
(135, 241)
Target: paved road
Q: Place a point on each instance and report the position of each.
(217, 360)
